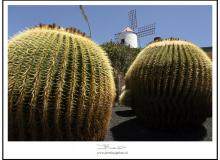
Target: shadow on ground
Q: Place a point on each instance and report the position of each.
(127, 113)
(126, 127)
(131, 130)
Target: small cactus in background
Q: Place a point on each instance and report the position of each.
(170, 84)
(61, 86)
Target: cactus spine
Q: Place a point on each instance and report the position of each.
(170, 84)
(61, 86)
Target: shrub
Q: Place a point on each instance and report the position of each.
(121, 57)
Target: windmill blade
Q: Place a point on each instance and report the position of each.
(117, 36)
(132, 19)
(146, 30)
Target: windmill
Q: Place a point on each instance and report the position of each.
(130, 35)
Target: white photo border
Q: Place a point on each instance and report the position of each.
(137, 150)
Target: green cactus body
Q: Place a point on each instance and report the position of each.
(170, 84)
(61, 86)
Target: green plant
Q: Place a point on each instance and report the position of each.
(61, 86)
(121, 57)
(170, 84)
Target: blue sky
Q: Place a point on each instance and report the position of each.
(193, 23)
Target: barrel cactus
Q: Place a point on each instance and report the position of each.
(169, 84)
(60, 86)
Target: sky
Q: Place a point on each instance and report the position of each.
(192, 23)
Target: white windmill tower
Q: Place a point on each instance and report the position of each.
(129, 36)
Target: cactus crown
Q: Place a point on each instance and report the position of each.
(169, 41)
(60, 29)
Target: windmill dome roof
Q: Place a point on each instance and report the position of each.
(127, 29)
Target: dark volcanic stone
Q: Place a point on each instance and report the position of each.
(125, 126)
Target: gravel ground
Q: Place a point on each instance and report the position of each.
(125, 127)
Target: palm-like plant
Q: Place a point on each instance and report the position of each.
(86, 18)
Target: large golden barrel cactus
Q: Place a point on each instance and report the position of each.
(60, 86)
(170, 84)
